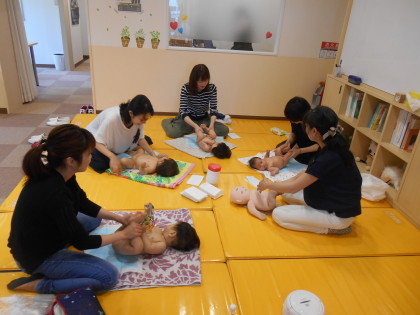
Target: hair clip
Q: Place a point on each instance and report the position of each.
(332, 132)
(44, 157)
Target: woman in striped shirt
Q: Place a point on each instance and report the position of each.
(198, 105)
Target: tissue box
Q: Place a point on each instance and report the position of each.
(194, 194)
(211, 190)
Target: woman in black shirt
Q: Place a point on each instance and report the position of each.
(45, 220)
(326, 197)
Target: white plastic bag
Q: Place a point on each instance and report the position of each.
(373, 188)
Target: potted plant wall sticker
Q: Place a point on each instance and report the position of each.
(155, 39)
(125, 36)
(139, 38)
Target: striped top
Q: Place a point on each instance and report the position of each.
(197, 106)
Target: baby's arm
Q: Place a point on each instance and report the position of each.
(127, 163)
(254, 211)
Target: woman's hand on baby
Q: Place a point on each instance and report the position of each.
(133, 230)
(115, 165)
(263, 184)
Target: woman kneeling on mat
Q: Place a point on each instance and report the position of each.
(326, 197)
(53, 212)
(120, 129)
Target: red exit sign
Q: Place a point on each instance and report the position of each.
(329, 45)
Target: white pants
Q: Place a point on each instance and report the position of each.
(300, 217)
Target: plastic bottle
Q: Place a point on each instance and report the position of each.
(213, 173)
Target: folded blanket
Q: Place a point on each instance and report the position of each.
(169, 182)
(188, 144)
(171, 268)
(292, 168)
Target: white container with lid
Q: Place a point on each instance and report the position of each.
(213, 173)
(302, 302)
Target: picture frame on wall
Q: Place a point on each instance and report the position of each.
(74, 10)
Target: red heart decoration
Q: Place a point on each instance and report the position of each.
(173, 25)
(268, 35)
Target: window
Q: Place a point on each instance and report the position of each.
(234, 25)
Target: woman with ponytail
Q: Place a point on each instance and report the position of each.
(326, 197)
(120, 129)
(53, 212)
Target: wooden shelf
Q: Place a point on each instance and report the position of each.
(402, 154)
(336, 95)
(372, 134)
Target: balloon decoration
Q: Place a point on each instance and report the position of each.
(268, 35)
(184, 17)
(173, 25)
(181, 30)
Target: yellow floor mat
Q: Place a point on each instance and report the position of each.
(257, 126)
(213, 296)
(83, 120)
(211, 249)
(365, 285)
(113, 192)
(377, 232)
(256, 142)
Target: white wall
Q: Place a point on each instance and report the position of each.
(84, 27)
(42, 25)
(382, 44)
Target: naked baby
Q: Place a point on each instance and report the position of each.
(181, 236)
(272, 164)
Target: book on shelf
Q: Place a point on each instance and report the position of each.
(400, 127)
(410, 133)
(411, 140)
(358, 105)
(382, 119)
(350, 102)
(379, 115)
(374, 115)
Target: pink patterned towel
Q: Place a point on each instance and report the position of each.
(172, 268)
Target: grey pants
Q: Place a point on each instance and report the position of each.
(177, 127)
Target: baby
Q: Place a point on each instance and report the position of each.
(272, 164)
(154, 241)
(147, 164)
(207, 143)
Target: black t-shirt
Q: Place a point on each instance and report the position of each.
(302, 140)
(338, 188)
(44, 220)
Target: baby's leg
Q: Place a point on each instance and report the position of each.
(127, 163)
(134, 246)
(200, 134)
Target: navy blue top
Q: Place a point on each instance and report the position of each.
(302, 140)
(338, 188)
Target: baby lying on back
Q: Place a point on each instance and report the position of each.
(180, 236)
(147, 164)
(206, 140)
(272, 164)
